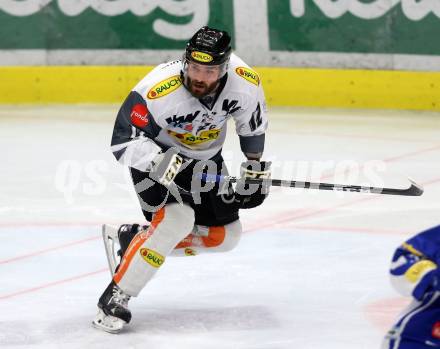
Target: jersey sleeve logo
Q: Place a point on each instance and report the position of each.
(165, 87)
(201, 56)
(139, 115)
(248, 74)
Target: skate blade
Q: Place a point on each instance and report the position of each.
(108, 323)
(111, 245)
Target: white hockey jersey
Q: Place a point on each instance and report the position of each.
(160, 113)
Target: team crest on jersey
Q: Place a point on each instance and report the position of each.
(165, 87)
(178, 120)
(248, 74)
(191, 140)
(201, 57)
(152, 257)
(188, 127)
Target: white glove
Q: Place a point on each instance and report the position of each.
(166, 166)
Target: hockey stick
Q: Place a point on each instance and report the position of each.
(414, 190)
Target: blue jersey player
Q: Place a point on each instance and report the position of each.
(415, 272)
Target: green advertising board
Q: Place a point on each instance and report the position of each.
(372, 34)
(357, 26)
(369, 53)
(108, 24)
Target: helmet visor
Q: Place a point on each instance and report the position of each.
(204, 70)
(200, 79)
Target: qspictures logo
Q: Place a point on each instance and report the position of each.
(165, 87)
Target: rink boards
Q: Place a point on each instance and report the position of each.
(308, 87)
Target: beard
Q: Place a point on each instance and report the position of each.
(200, 89)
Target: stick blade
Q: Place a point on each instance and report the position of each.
(415, 189)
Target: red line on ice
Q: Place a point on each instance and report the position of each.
(50, 249)
(54, 283)
(303, 213)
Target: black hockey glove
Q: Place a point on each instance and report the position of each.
(252, 195)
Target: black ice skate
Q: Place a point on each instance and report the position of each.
(113, 312)
(126, 233)
(116, 241)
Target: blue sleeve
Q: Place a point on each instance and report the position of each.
(427, 244)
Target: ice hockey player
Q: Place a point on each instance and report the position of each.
(414, 272)
(171, 128)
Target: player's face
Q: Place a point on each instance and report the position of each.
(202, 79)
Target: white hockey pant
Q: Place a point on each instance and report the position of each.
(209, 239)
(147, 251)
(168, 234)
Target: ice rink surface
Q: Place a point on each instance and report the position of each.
(309, 272)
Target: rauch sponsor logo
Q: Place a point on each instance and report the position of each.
(152, 257)
(165, 87)
(201, 57)
(248, 74)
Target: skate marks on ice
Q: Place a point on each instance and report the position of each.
(222, 318)
(150, 326)
(18, 333)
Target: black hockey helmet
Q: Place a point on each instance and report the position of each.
(209, 46)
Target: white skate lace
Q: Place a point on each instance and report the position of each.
(120, 297)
